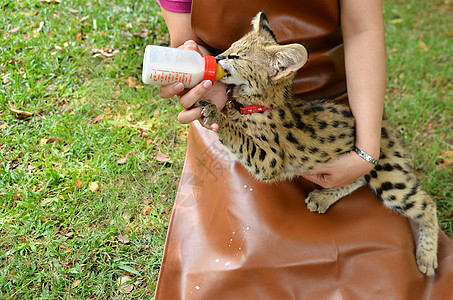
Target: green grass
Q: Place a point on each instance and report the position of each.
(59, 238)
(74, 67)
(420, 92)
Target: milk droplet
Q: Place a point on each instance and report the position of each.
(251, 190)
(217, 260)
(197, 287)
(245, 186)
(227, 263)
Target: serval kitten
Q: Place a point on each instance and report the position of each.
(286, 137)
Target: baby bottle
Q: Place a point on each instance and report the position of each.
(163, 65)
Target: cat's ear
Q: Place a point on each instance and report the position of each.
(261, 25)
(285, 60)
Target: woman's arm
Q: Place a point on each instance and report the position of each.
(363, 34)
(179, 27)
(182, 36)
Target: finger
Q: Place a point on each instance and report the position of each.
(189, 115)
(214, 126)
(319, 179)
(192, 96)
(170, 90)
(311, 177)
(190, 45)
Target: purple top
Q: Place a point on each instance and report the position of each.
(178, 6)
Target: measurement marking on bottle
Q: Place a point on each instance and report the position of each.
(163, 76)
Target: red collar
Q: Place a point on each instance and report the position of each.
(248, 109)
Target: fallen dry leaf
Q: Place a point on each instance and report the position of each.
(124, 159)
(149, 142)
(31, 167)
(147, 201)
(78, 36)
(67, 234)
(131, 82)
(45, 141)
(445, 162)
(76, 283)
(78, 183)
(94, 187)
(146, 210)
(125, 285)
(129, 117)
(162, 157)
(20, 114)
(15, 29)
(105, 53)
(422, 46)
(42, 142)
(123, 239)
(41, 25)
(4, 126)
(142, 34)
(99, 118)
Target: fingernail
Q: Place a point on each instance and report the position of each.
(207, 84)
(189, 43)
(179, 87)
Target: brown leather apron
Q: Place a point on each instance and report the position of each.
(231, 237)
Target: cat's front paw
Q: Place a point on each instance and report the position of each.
(319, 201)
(209, 112)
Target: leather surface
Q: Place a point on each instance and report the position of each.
(231, 237)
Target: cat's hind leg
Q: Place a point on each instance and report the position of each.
(404, 195)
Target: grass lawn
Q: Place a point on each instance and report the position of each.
(90, 157)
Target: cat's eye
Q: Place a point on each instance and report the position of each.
(233, 56)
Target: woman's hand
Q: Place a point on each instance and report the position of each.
(340, 172)
(187, 98)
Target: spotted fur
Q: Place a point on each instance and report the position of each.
(296, 136)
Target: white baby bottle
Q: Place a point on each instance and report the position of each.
(163, 65)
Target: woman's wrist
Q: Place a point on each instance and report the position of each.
(368, 138)
(365, 156)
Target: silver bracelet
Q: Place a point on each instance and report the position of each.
(365, 156)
